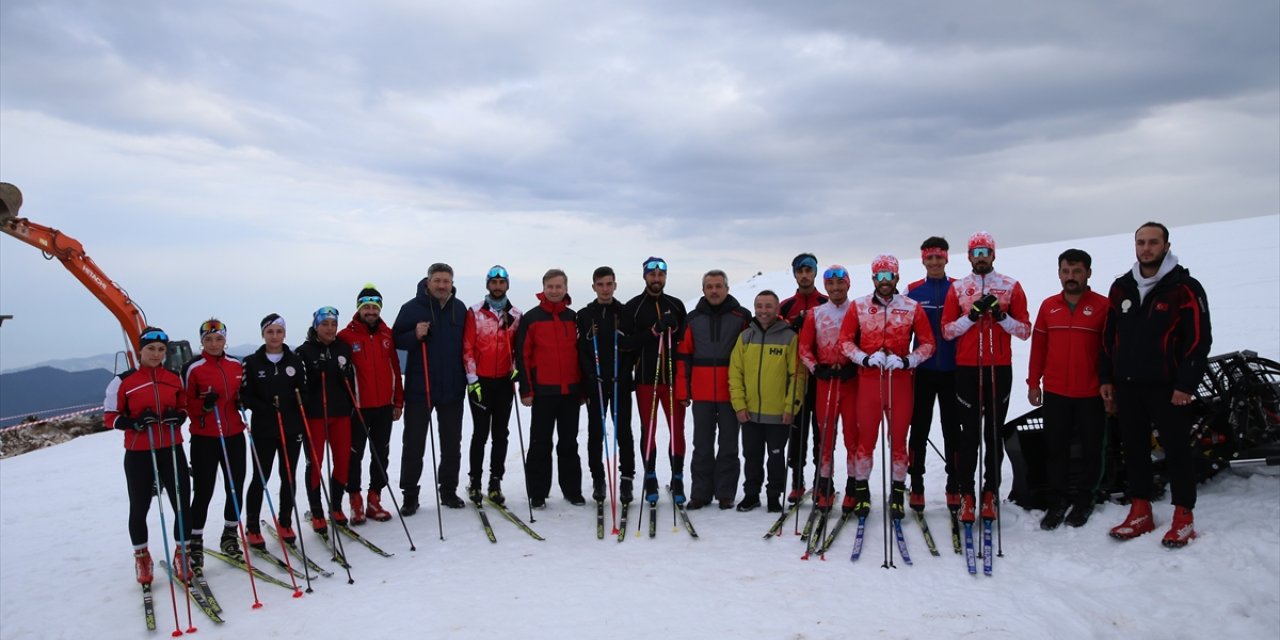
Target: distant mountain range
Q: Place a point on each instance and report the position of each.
(44, 388)
(108, 361)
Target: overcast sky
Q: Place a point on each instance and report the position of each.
(240, 158)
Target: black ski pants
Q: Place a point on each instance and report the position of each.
(985, 395)
(371, 426)
(759, 439)
(1142, 407)
(1064, 420)
(140, 478)
(206, 459)
(493, 416)
(554, 417)
(417, 423)
(715, 466)
(933, 385)
(267, 446)
(596, 433)
(806, 429)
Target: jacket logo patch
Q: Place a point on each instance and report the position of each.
(775, 351)
(386, 344)
(1162, 306)
(355, 348)
(1088, 311)
(262, 375)
(1124, 306)
(290, 371)
(900, 312)
(342, 361)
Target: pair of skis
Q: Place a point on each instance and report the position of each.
(987, 554)
(506, 513)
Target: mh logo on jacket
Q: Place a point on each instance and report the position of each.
(775, 351)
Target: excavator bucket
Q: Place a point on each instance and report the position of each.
(10, 201)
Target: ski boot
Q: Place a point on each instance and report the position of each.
(677, 488)
(373, 507)
(473, 492)
(495, 492)
(650, 487)
(966, 509)
(195, 552)
(142, 566)
(319, 525)
(989, 506)
(775, 504)
(287, 534)
(897, 492)
(357, 508)
(229, 543)
(181, 569)
(1138, 521)
(1182, 530)
(823, 493)
(624, 490)
(797, 492)
(597, 490)
(410, 505)
(255, 539)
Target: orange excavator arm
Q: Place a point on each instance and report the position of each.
(68, 251)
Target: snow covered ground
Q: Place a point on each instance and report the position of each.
(65, 569)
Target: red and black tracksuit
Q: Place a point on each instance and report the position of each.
(1065, 343)
(1154, 345)
(794, 310)
(653, 374)
(702, 376)
(379, 392)
(547, 357)
(152, 455)
(269, 391)
(328, 408)
(488, 353)
(211, 431)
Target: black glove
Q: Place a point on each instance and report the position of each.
(997, 312)
(176, 416)
(664, 322)
(981, 306)
(125, 423)
(210, 400)
(507, 320)
(824, 372)
(147, 418)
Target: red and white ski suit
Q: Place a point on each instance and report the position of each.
(956, 324)
(837, 386)
(879, 325)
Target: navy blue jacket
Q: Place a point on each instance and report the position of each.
(931, 293)
(444, 346)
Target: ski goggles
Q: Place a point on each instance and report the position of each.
(980, 252)
(498, 271)
(804, 261)
(213, 326)
(154, 335)
(884, 276)
(373, 300)
(655, 264)
(322, 314)
(835, 274)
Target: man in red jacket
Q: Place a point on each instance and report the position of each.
(550, 382)
(488, 341)
(1065, 343)
(379, 400)
(793, 310)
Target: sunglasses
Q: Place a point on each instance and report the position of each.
(155, 335)
(885, 276)
(498, 272)
(832, 274)
(980, 252)
(660, 265)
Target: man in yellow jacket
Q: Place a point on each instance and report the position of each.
(766, 388)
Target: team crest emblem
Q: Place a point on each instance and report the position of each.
(1162, 306)
(357, 347)
(1088, 311)
(290, 371)
(1124, 306)
(342, 361)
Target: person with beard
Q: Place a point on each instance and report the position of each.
(379, 401)
(837, 380)
(327, 362)
(487, 353)
(429, 328)
(658, 322)
(793, 310)
(982, 312)
(1155, 349)
(604, 333)
(877, 335)
(766, 387)
(702, 380)
(550, 381)
(1065, 343)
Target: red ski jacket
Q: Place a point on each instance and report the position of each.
(373, 352)
(1065, 344)
(488, 347)
(873, 325)
(135, 391)
(957, 326)
(820, 335)
(223, 374)
(547, 350)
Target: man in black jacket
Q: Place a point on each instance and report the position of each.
(1155, 348)
(603, 349)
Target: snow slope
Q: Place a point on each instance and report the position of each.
(65, 569)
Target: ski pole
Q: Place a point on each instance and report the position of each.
(996, 427)
(328, 461)
(290, 477)
(235, 503)
(613, 413)
(981, 462)
(275, 519)
(314, 463)
(164, 533)
(515, 408)
(182, 531)
(376, 460)
(604, 434)
(435, 481)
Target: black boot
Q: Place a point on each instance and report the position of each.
(624, 490)
(450, 499)
(230, 543)
(775, 504)
(495, 491)
(861, 498)
(1054, 516)
(597, 490)
(410, 505)
(897, 494)
(195, 552)
(749, 503)
(473, 491)
(1080, 513)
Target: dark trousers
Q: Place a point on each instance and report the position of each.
(986, 395)
(140, 477)
(757, 439)
(493, 417)
(623, 445)
(1064, 420)
(554, 415)
(206, 459)
(715, 466)
(372, 426)
(267, 446)
(806, 429)
(931, 385)
(417, 420)
(1142, 407)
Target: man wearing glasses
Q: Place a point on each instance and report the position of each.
(982, 312)
(658, 322)
(837, 391)
(793, 311)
